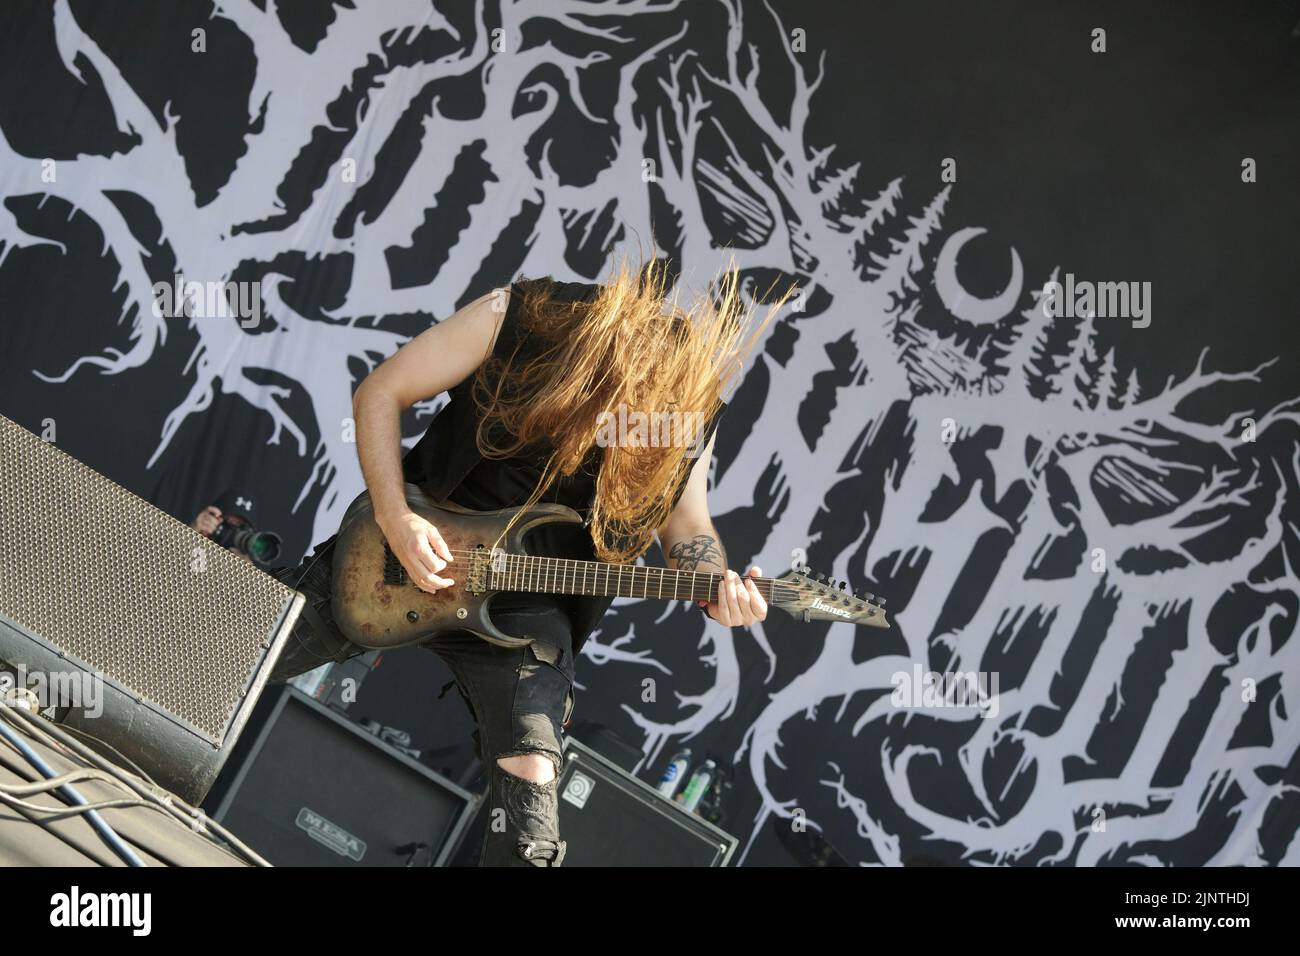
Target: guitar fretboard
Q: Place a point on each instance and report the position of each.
(522, 572)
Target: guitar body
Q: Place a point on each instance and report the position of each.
(376, 606)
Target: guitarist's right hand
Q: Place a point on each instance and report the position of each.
(418, 545)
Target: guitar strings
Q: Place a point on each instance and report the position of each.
(516, 564)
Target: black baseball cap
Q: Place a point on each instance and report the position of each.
(233, 504)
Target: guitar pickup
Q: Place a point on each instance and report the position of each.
(394, 573)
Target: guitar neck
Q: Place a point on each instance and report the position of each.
(526, 572)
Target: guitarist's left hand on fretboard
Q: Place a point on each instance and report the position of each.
(737, 603)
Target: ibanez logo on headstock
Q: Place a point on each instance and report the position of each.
(817, 605)
(818, 598)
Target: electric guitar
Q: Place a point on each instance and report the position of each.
(375, 605)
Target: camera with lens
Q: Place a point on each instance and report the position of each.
(236, 530)
(262, 546)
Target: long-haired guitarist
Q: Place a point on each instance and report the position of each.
(602, 397)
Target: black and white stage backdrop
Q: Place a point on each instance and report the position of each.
(1086, 497)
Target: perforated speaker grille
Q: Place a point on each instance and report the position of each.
(139, 597)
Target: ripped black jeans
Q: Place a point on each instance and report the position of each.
(520, 698)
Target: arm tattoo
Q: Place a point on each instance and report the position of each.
(701, 549)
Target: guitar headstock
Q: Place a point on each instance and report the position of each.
(814, 597)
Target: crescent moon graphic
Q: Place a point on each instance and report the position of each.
(960, 302)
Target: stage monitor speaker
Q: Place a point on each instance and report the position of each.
(128, 625)
(318, 790)
(610, 818)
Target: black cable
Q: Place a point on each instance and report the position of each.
(175, 808)
(101, 827)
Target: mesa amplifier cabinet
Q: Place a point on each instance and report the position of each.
(128, 625)
(318, 790)
(610, 818)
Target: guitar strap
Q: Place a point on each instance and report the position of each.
(318, 625)
(316, 622)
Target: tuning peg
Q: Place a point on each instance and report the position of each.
(844, 585)
(880, 601)
(869, 596)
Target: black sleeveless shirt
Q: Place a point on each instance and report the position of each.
(445, 463)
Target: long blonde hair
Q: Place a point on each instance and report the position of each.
(626, 348)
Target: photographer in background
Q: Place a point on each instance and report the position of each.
(229, 522)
